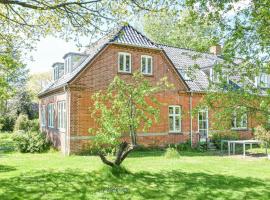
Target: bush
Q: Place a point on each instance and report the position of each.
(171, 153)
(22, 123)
(33, 125)
(218, 136)
(31, 142)
(7, 123)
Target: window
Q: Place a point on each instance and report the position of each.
(51, 115)
(147, 65)
(56, 73)
(68, 65)
(43, 115)
(239, 120)
(214, 76)
(174, 118)
(263, 80)
(124, 62)
(203, 122)
(62, 117)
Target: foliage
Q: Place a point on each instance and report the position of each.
(123, 108)
(37, 82)
(7, 123)
(171, 152)
(22, 123)
(180, 30)
(262, 134)
(223, 135)
(31, 142)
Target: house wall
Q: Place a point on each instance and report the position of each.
(57, 137)
(98, 75)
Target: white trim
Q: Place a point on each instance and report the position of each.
(174, 116)
(43, 116)
(124, 62)
(146, 64)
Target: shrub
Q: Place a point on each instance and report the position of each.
(218, 136)
(33, 125)
(22, 123)
(171, 153)
(7, 123)
(31, 142)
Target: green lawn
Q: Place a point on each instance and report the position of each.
(192, 176)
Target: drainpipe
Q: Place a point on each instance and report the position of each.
(190, 115)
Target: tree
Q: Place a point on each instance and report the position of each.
(244, 32)
(37, 82)
(263, 135)
(122, 109)
(180, 30)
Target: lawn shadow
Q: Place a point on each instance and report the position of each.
(72, 184)
(6, 168)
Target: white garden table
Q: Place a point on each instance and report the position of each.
(232, 143)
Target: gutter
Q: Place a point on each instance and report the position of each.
(190, 115)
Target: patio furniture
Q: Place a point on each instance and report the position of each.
(232, 144)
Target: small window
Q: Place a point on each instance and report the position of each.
(51, 115)
(239, 120)
(62, 117)
(174, 118)
(43, 115)
(124, 62)
(147, 65)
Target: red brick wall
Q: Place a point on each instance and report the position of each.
(99, 74)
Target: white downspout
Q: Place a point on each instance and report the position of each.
(190, 115)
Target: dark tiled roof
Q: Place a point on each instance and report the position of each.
(127, 35)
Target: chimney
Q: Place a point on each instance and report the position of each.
(216, 50)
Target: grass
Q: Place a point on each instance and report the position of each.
(149, 175)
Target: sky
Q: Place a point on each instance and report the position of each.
(48, 51)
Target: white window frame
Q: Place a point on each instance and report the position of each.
(67, 64)
(125, 66)
(204, 110)
(263, 80)
(43, 115)
(61, 115)
(244, 120)
(51, 115)
(174, 115)
(146, 57)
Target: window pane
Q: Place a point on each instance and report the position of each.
(177, 110)
(170, 110)
(149, 63)
(127, 63)
(177, 123)
(171, 123)
(121, 62)
(143, 65)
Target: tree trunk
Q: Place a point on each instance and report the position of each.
(122, 153)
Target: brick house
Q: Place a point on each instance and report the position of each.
(64, 104)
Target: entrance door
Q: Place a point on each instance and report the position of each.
(203, 124)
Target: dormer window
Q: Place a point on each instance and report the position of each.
(147, 65)
(67, 64)
(214, 76)
(124, 62)
(58, 70)
(263, 80)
